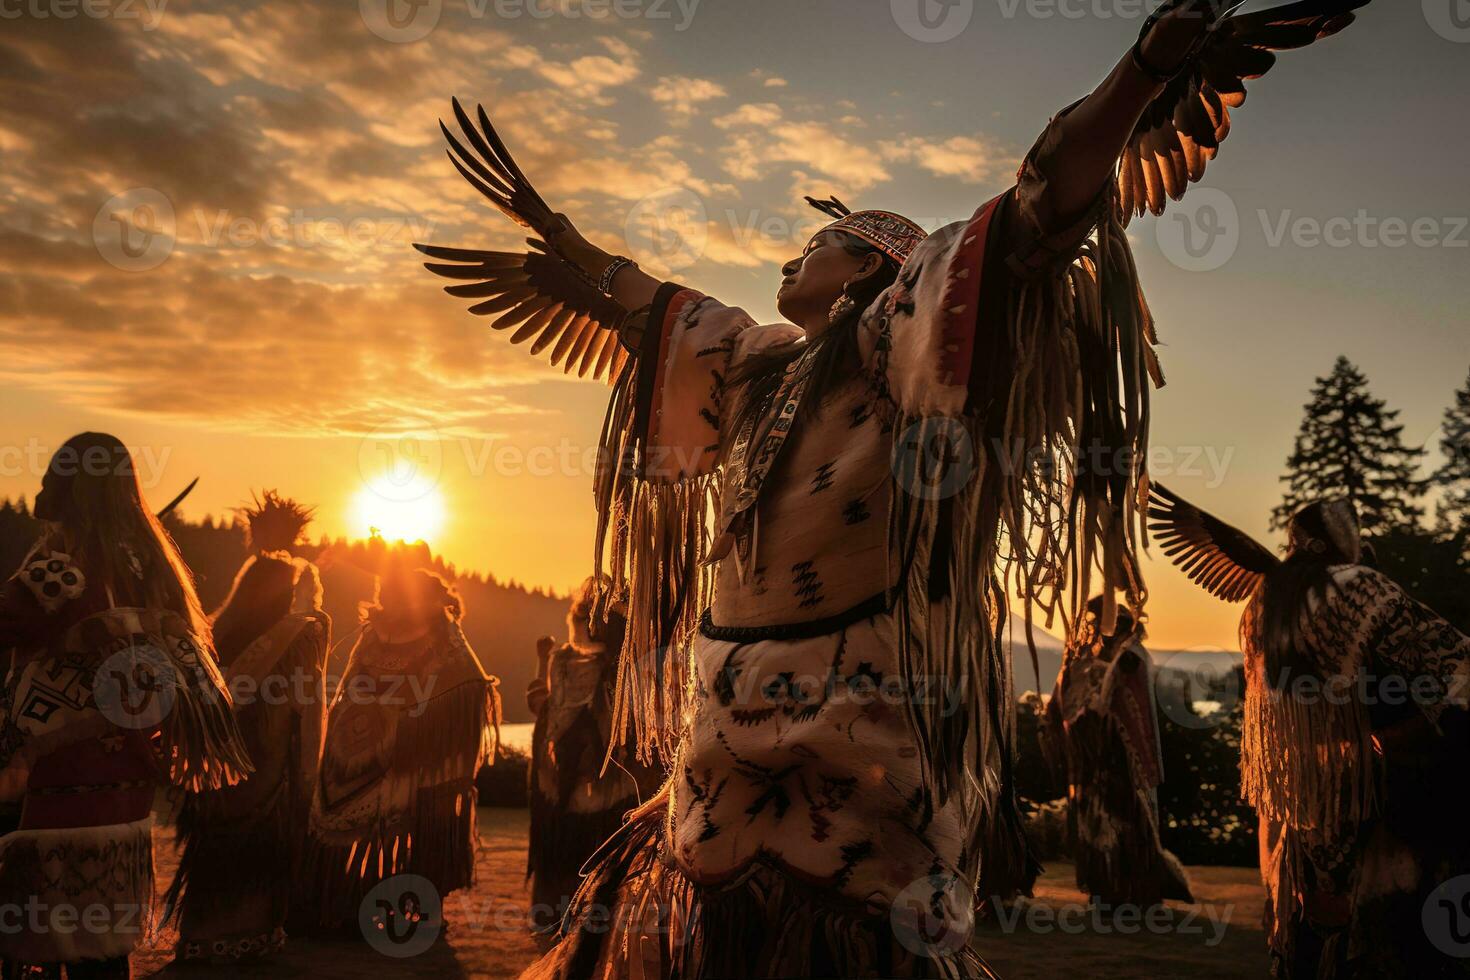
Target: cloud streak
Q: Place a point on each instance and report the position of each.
(299, 158)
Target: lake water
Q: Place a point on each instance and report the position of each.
(517, 736)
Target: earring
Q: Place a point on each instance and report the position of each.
(842, 308)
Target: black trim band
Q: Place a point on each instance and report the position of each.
(653, 339)
(872, 606)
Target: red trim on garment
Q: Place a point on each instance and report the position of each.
(962, 294)
(676, 308)
(92, 783)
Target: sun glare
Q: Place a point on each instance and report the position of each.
(408, 511)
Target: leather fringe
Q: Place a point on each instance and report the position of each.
(1036, 520)
(436, 836)
(436, 842)
(200, 744)
(637, 916)
(652, 541)
(1307, 765)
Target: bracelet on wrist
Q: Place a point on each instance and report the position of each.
(1157, 74)
(604, 284)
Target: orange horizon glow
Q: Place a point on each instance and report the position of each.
(409, 511)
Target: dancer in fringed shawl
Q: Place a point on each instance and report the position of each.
(1354, 746)
(113, 692)
(579, 791)
(816, 524)
(1102, 731)
(244, 845)
(414, 719)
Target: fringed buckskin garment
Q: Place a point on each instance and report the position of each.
(102, 705)
(1102, 730)
(576, 803)
(243, 847)
(816, 609)
(414, 719)
(1353, 839)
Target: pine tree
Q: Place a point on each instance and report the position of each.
(1453, 478)
(1348, 446)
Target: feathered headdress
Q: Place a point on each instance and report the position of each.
(892, 234)
(274, 523)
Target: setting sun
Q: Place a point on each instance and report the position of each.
(408, 511)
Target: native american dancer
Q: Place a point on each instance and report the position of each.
(579, 795)
(413, 720)
(271, 637)
(1102, 731)
(1353, 751)
(814, 633)
(113, 692)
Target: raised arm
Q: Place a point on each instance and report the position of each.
(1160, 116)
(1091, 136)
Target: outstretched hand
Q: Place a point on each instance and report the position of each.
(569, 243)
(1177, 27)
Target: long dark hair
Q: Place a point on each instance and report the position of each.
(1271, 626)
(102, 521)
(755, 381)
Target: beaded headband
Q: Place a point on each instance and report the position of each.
(892, 234)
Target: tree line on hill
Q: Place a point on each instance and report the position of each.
(502, 618)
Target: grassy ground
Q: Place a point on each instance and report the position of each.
(1053, 936)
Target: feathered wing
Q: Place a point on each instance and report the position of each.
(1182, 129)
(1221, 559)
(537, 295)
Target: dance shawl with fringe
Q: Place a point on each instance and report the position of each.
(780, 576)
(243, 847)
(409, 728)
(1308, 760)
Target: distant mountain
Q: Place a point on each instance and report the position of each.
(1202, 662)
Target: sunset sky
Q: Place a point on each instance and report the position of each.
(206, 214)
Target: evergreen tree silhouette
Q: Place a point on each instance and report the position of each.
(1349, 446)
(1453, 478)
